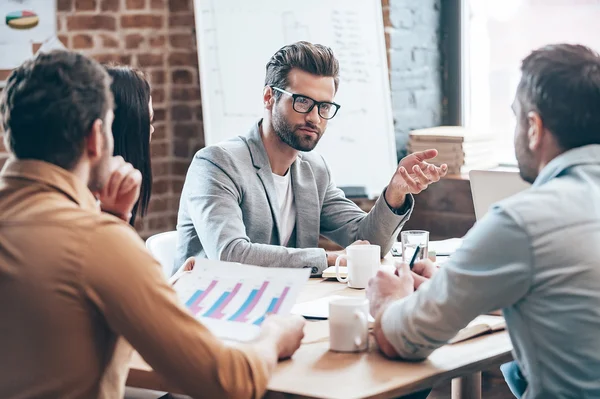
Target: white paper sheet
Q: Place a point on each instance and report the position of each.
(46, 27)
(13, 55)
(445, 247)
(232, 299)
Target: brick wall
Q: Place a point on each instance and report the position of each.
(158, 37)
(413, 38)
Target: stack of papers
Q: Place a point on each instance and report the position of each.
(460, 148)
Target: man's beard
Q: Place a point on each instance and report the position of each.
(292, 136)
(100, 173)
(525, 159)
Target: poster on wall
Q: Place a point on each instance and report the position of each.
(24, 25)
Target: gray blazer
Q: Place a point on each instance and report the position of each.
(228, 209)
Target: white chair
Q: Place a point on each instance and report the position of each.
(162, 246)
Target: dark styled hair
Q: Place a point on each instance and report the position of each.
(561, 83)
(131, 127)
(312, 58)
(49, 105)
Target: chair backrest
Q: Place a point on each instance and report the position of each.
(162, 246)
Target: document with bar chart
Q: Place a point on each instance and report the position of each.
(232, 299)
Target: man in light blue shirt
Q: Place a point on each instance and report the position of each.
(535, 255)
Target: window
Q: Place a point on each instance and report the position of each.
(496, 35)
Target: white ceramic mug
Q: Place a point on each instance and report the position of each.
(348, 324)
(362, 264)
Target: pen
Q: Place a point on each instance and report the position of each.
(412, 261)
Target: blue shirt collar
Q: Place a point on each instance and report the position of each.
(589, 154)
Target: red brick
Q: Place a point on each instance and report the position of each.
(91, 22)
(180, 5)
(199, 113)
(180, 167)
(185, 93)
(3, 161)
(158, 95)
(158, 205)
(174, 201)
(198, 144)
(160, 115)
(133, 41)
(386, 17)
(182, 76)
(110, 5)
(182, 40)
(187, 131)
(64, 39)
(160, 132)
(82, 42)
(64, 5)
(181, 113)
(148, 60)
(387, 40)
(158, 41)
(158, 4)
(113, 57)
(135, 4)
(109, 41)
(160, 186)
(183, 59)
(181, 147)
(141, 21)
(158, 77)
(160, 148)
(192, 130)
(59, 23)
(2, 147)
(177, 186)
(160, 168)
(159, 223)
(385, 3)
(85, 5)
(179, 21)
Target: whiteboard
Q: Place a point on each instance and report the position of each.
(236, 39)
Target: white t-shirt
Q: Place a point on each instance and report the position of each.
(287, 206)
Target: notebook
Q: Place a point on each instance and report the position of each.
(481, 325)
(330, 272)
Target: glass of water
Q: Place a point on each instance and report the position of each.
(411, 239)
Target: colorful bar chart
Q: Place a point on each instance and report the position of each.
(273, 306)
(216, 311)
(193, 304)
(232, 300)
(281, 299)
(242, 314)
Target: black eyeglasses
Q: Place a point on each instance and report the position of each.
(303, 104)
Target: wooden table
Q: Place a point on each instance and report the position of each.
(315, 372)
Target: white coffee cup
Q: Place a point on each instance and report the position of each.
(362, 264)
(348, 324)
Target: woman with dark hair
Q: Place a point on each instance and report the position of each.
(132, 127)
(132, 131)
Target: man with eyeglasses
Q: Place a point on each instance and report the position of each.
(264, 198)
